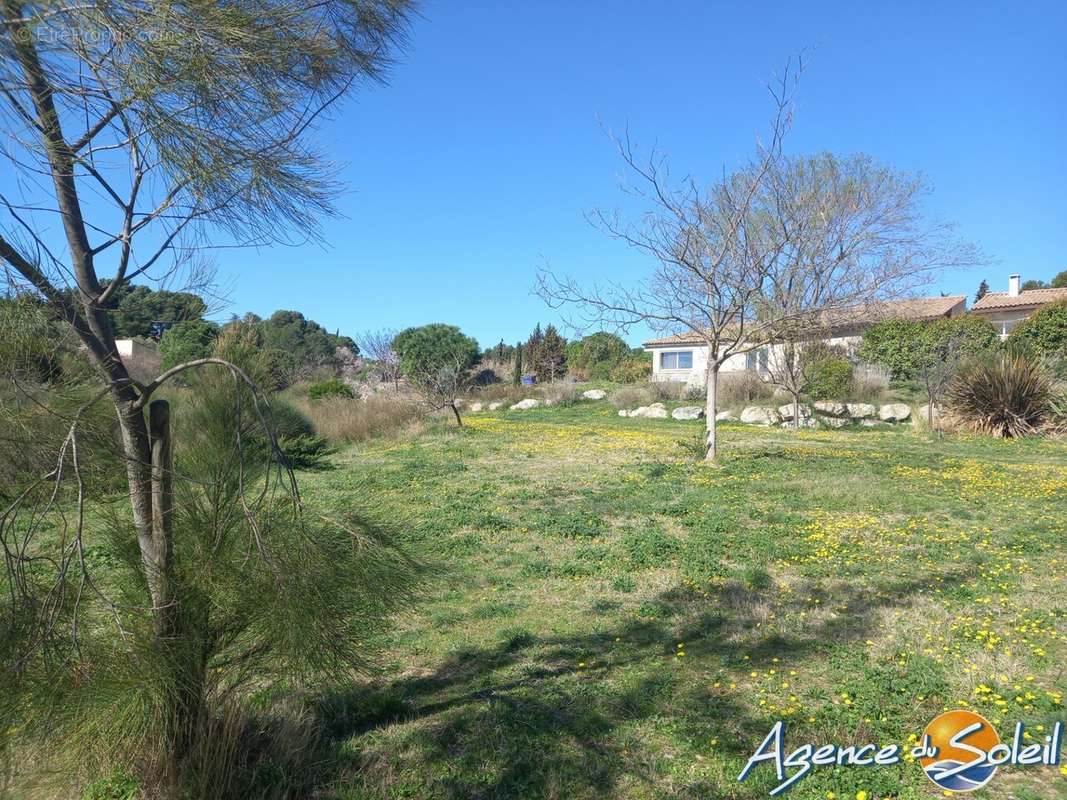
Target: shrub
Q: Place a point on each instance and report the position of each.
(675, 390)
(424, 350)
(334, 387)
(505, 392)
(632, 396)
(632, 370)
(559, 393)
(893, 344)
(596, 355)
(485, 377)
(1058, 410)
(1043, 334)
(270, 597)
(829, 377)
(187, 341)
(904, 346)
(297, 439)
(868, 389)
(342, 420)
(1003, 396)
(740, 388)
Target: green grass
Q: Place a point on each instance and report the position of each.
(609, 618)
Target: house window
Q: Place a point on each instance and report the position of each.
(750, 360)
(762, 359)
(681, 359)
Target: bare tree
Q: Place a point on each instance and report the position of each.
(788, 367)
(378, 346)
(765, 252)
(935, 372)
(147, 131)
(441, 385)
(943, 347)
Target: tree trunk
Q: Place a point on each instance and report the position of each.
(176, 631)
(137, 451)
(710, 410)
(162, 517)
(456, 412)
(796, 411)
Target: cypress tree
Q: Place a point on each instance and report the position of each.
(516, 377)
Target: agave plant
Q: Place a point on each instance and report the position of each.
(1005, 396)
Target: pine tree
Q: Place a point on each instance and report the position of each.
(983, 290)
(551, 355)
(516, 377)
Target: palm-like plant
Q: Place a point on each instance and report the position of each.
(1005, 396)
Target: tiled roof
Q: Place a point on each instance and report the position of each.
(921, 308)
(679, 339)
(1028, 298)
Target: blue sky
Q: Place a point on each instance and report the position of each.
(477, 163)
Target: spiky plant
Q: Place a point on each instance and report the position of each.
(1058, 410)
(1008, 395)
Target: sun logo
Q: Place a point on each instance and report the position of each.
(957, 751)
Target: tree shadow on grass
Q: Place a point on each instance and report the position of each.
(540, 717)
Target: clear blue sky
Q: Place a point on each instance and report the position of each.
(480, 158)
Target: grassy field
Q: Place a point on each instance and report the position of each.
(609, 618)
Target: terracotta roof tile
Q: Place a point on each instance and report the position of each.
(1028, 298)
(921, 308)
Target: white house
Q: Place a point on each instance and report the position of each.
(1007, 309)
(684, 357)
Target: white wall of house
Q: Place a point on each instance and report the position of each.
(1006, 319)
(664, 360)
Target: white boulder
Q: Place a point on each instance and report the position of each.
(861, 410)
(495, 406)
(835, 422)
(528, 403)
(869, 423)
(923, 413)
(623, 412)
(594, 394)
(786, 411)
(832, 409)
(758, 415)
(656, 412)
(726, 416)
(688, 412)
(894, 412)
